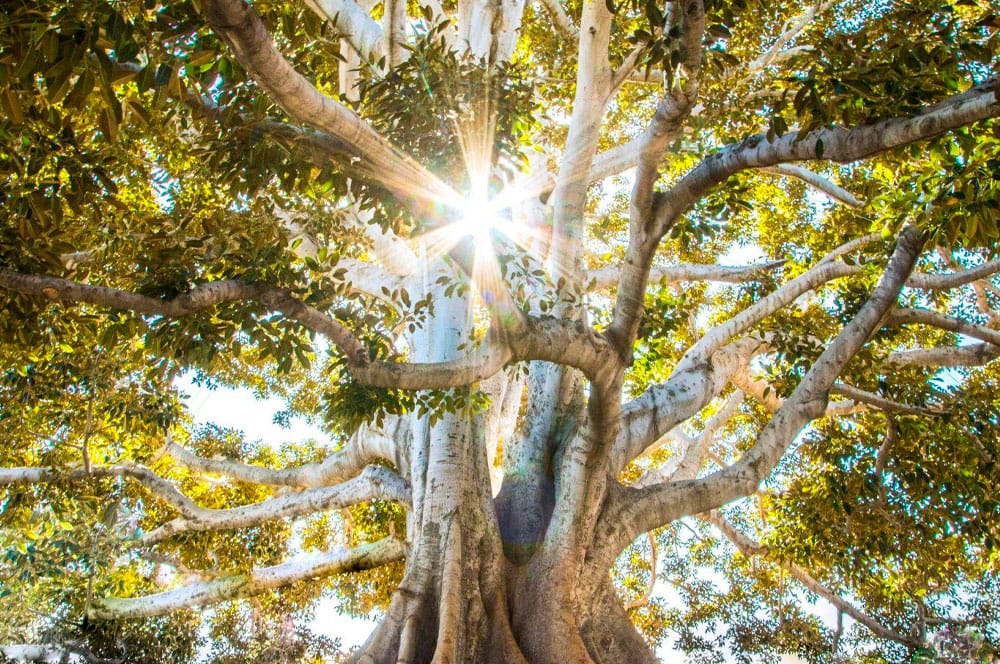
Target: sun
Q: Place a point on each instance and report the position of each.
(479, 218)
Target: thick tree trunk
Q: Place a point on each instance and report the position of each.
(474, 590)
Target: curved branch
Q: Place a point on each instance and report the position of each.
(887, 405)
(158, 486)
(840, 144)
(816, 181)
(640, 511)
(362, 449)
(749, 548)
(199, 298)
(255, 582)
(955, 279)
(934, 319)
(375, 482)
(662, 407)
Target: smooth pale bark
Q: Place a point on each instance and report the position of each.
(252, 583)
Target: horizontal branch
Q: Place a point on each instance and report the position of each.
(363, 448)
(887, 405)
(904, 316)
(238, 586)
(607, 276)
(972, 355)
(159, 486)
(840, 144)
(197, 299)
(955, 279)
(375, 482)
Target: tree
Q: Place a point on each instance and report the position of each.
(484, 246)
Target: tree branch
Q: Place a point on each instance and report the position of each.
(354, 24)
(375, 482)
(605, 277)
(252, 583)
(901, 316)
(817, 181)
(363, 448)
(955, 279)
(749, 548)
(381, 162)
(648, 508)
(973, 355)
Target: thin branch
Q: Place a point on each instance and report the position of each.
(749, 548)
(560, 19)
(252, 583)
(365, 447)
(887, 405)
(199, 298)
(817, 181)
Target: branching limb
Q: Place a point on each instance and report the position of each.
(375, 482)
(662, 407)
(560, 19)
(649, 508)
(255, 582)
(816, 181)
(749, 548)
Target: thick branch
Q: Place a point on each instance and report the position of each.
(255, 582)
(661, 504)
(973, 355)
(607, 276)
(246, 33)
(354, 23)
(838, 144)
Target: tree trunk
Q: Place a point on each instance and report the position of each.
(474, 591)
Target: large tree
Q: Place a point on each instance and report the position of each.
(483, 245)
